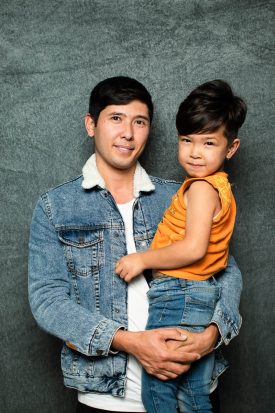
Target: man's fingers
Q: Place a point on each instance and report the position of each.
(171, 371)
(165, 376)
(182, 357)
(176, 370)
(189, 357)
(162, 377)
(173, 334)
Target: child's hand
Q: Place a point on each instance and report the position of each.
(129, 267)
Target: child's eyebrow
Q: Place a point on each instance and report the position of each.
(206, 136)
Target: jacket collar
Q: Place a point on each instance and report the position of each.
(92, 178)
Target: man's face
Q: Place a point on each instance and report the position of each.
(120, 135)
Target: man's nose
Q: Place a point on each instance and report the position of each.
(128, 131)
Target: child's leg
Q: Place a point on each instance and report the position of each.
(190, 305)
(159, 396)
(194, 386)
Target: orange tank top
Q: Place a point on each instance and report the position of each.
(172, 229)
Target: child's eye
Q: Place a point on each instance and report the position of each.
(209, 143)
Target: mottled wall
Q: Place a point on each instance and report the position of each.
(52, 54)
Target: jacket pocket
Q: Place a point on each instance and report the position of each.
(83, 249)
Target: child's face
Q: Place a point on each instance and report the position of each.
(203, 154)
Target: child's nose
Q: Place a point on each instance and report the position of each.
(195, 151)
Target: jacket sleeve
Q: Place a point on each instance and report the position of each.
(226, 315)
(50, 293)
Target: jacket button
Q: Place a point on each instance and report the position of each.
(99, 352)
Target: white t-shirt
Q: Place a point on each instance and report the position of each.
(137, 318)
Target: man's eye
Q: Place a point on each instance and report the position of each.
(186, 140)
(115, 118)
(141, 122)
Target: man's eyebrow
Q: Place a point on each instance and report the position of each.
(124, 114)
(143, 117)
(117, 113)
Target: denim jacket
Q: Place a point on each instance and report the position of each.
(77, 235)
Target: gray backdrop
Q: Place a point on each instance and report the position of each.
(52, 54)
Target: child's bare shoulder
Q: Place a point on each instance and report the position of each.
(202, 189)
(201, 184)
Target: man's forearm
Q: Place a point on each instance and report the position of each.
(226, 315)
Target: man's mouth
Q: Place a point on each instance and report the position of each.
(124, 148)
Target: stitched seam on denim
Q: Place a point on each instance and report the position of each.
(81, 227)
(190, 393)
(163, 181)
(148, 232)
(99, 238)
(48, 211)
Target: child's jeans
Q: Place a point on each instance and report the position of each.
(176, 302)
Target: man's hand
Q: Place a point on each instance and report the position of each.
(154, 350)
(201, 343)
(130, 266)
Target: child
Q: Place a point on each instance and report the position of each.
(192, 240)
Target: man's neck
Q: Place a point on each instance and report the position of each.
(119, 182)
(121, 188)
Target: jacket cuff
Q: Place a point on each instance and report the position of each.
(102, 338)
(228, 329)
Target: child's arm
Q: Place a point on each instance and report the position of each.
(202, 204)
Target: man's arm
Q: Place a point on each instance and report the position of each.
(226, 320)
(87, 332)
(226, 315)
(50, 292)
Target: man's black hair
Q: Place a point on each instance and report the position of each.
(119, 90)
(210, 106)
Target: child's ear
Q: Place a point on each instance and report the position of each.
(90, 125)
(233, 148)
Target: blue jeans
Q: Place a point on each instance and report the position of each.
(175, 302)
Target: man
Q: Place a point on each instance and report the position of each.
(79, 230)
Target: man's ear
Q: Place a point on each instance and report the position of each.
(233, 148)
(89, 125)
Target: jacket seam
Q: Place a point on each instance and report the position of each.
(47, 204)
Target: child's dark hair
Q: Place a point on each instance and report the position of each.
(119, 90)
(210, 106)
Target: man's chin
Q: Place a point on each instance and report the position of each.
(125, 166)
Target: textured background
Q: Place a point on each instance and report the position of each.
(52, 54)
